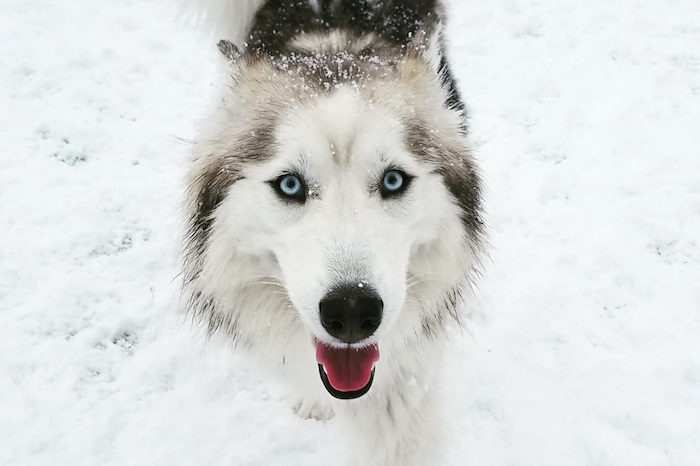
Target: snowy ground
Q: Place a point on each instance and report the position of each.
(585, 348)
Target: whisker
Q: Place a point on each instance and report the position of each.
(264, 283)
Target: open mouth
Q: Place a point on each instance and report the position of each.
(347, 373)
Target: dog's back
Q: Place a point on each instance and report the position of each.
(279, 26)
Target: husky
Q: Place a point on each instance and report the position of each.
(334, 215)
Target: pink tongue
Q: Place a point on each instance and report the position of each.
(348, 369)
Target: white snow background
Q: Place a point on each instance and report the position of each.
(584, 347)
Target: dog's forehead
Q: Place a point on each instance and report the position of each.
(343, 129)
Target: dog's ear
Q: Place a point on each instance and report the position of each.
(234, 59)
(229, 50)
(427, 43)
(428, 46)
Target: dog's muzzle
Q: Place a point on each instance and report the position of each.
(351, 314)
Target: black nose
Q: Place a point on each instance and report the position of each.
(351, 313)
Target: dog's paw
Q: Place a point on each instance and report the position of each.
(310, 410)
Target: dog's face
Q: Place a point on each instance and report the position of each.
(351, 203)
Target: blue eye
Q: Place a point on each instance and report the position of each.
(290, 187)
(394, 182)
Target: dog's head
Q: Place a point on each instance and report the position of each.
(334, 201)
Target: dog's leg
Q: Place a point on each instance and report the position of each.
(306, 408)
(305, 390)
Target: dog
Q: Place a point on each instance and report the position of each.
(334, 211)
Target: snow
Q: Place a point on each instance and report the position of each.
(584, 348)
